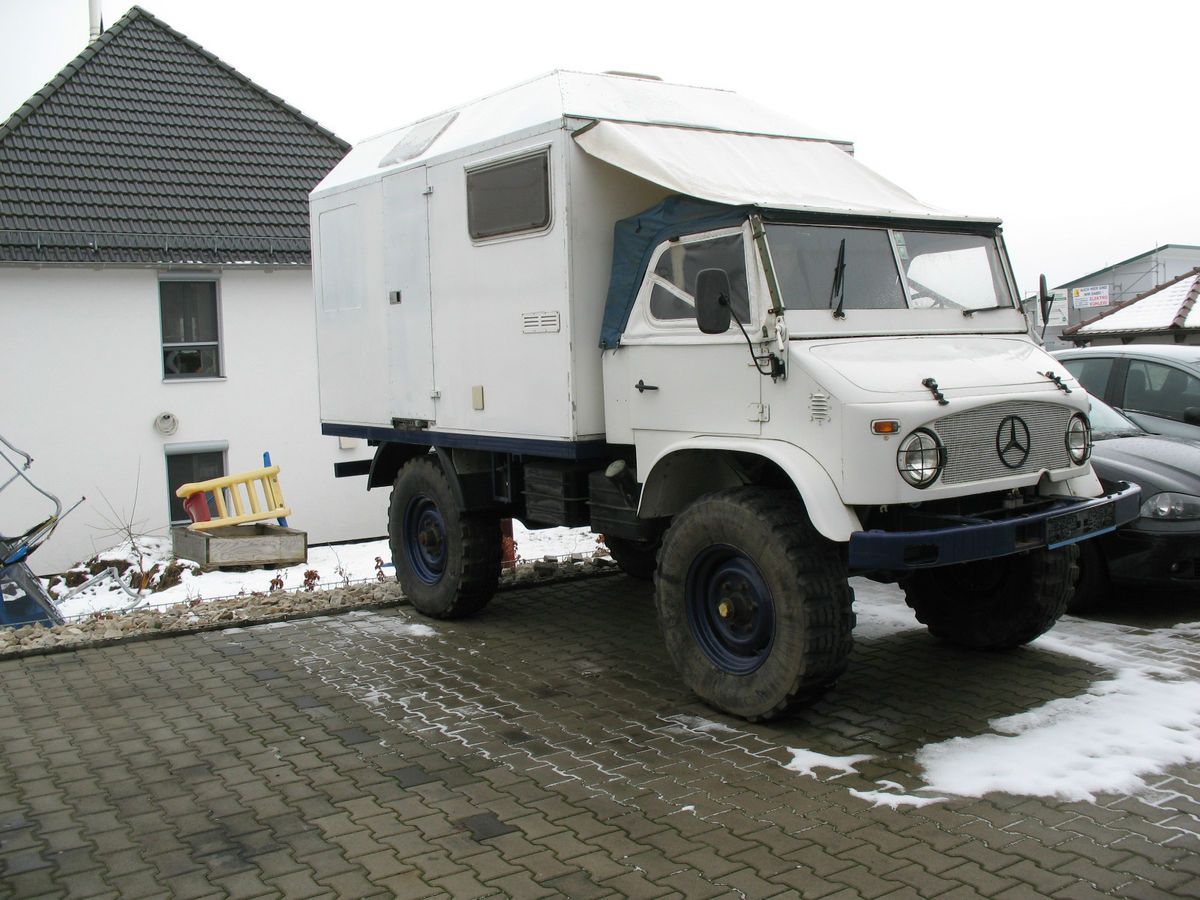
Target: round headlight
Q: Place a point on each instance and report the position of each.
(1079, 439)
(919, 458)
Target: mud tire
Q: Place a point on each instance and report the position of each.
(447, 560)
(796, 634)
(994, 604)
(1093, 589)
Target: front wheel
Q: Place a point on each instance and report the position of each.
(994, 604)
(753, 603)
(447, 560)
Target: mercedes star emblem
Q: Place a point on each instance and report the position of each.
(1012, 441)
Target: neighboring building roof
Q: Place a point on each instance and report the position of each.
(1170, 308)
(147, 149)
(1125, 262)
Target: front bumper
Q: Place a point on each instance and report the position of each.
(960, 539)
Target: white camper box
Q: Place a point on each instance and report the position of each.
(420, 323)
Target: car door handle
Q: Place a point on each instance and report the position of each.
(642, 387)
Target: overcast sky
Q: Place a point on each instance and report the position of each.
(1075, 122)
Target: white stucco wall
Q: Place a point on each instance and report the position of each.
(81, 385)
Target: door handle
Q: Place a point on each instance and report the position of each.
(642, 386)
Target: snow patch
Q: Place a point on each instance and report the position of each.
(1104, 741)
(335, 565)
(806, 762)
(697, 724)
(895, 801)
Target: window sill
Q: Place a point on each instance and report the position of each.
(203, 379)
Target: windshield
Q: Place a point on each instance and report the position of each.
(827, 267)
(1107, 422)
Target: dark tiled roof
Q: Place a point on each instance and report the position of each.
(147, 149)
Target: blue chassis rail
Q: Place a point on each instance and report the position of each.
(967, 539)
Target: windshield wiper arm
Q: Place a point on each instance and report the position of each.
(838, 290)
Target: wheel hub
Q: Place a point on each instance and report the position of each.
(730, 610)
(425, 539)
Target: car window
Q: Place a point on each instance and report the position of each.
(1091, 373)
(1160, 390)
(674, 292)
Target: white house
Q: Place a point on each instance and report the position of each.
(155, 294)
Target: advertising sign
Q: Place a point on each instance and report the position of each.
(1084, 297)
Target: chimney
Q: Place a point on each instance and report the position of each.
(95, 20)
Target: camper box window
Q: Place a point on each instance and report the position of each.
(509, 197)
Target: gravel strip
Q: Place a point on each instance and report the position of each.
(194, 616)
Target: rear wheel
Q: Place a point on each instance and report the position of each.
(637, 559)
(447, 560)
(754, 605)
(994, 604)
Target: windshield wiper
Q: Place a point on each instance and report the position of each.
(839, 282)
(970, 312)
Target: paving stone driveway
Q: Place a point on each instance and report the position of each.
(542, 749)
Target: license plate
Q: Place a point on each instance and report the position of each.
(1071, 526)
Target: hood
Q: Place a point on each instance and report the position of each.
(898, 365)
(1155, 462)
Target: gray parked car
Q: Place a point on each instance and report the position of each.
(1159, 550)
(1156, 385)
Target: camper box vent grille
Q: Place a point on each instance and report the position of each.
(540, 322)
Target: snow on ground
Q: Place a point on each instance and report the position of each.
(1124, 729)
(334, 565)
(806, 762)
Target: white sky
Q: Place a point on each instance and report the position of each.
(1075, 122)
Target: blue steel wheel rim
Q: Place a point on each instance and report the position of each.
(730, 610)
(425, 539)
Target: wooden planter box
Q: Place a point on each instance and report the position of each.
(241, 545)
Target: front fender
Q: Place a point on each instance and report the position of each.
(676, 472)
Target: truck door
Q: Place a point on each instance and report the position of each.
(406, 276)
(679, 378)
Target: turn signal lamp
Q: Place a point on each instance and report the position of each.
(885, 426)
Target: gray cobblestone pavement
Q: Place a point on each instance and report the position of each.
(545, 748)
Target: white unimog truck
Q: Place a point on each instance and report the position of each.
(711, 334)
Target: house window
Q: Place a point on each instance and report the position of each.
(191, 463)
(191, 335)
(509, 197)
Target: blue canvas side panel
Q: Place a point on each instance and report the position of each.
(634, 240)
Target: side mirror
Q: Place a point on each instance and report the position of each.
(1045, 298)
(1191, 415)
(712, 301)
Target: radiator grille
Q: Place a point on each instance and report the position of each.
(970, 440)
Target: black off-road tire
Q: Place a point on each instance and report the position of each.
(637, 559)
(801, 574)
(458, 577)
(994, 604)
(1093, 589)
